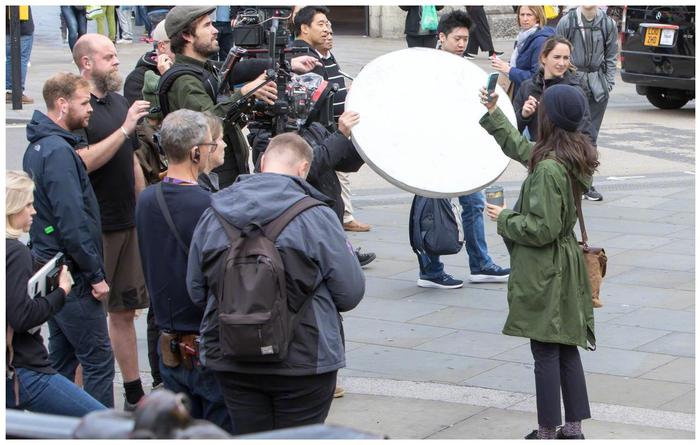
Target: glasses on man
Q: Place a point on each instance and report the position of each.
(212, 146)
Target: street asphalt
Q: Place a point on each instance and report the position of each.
(424, 363)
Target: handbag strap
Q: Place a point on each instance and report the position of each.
(577, 200)
(168, 218)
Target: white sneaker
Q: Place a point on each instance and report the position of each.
(120, 41)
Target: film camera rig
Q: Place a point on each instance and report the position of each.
(264, 32)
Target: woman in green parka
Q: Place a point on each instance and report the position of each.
(549, 296)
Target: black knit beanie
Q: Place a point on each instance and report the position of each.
(565, 106)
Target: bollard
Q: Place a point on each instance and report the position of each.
(15, 56)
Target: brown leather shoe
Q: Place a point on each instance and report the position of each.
(356, 226)
(25, 99)
(339, 392)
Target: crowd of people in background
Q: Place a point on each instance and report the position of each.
(143, 185)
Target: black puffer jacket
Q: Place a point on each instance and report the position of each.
(535, 87)
(134, 81)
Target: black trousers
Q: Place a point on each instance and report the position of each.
(152, 344)
(427, 41)
(481, 36)
(559, 366)
(266, 402)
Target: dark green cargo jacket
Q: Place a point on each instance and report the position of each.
(549, 296)
(188, 92)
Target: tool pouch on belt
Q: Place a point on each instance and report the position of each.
(188, 350)
(169, 349)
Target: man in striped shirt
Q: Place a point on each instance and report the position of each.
(313, 30)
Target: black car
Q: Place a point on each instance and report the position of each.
(658, 53)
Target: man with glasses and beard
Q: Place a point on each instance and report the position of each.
(68, 221)
(113, 169)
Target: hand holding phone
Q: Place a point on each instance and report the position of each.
(491, 83)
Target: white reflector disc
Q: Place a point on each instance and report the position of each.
(419, 122)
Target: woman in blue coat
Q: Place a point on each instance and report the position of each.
(524, 61)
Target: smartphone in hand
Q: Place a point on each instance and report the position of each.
(491, 83)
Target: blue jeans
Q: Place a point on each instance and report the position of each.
(203, 390)
(76, 22)
(474, 239)
(25, 43)
(142, 17)
(49, 394)
(78, 334)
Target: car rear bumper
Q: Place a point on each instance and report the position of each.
(650, 80)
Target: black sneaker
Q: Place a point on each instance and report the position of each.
(496, 53)
(593, 195)
(561, 435)
(365, 258)
(444, 281)
(469, 56)
(494, 274)
(532, 435)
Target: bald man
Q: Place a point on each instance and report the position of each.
(113, 169)
(318, 258)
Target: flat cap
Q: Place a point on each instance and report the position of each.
(180, 16)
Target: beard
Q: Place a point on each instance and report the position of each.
(205, 48)
(75, 121)
(108, 82)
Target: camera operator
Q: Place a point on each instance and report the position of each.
(333, 152)
(193, 38)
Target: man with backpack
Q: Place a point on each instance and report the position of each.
(453, 33)
(593, 36)
(271, 267)
(166, 215)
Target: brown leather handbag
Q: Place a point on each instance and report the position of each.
(594, 257)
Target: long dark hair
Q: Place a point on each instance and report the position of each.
(571, 148)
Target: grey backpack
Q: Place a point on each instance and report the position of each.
(256, 315)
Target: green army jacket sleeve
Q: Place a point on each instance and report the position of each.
(514, 145)
(542, 223)
(188, 92)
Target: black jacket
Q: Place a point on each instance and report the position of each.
(535, 87)
(24, 313)
(412, 27)
(67, 214)
(332, 152)
(133, 85)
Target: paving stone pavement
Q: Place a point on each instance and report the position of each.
(434, 364)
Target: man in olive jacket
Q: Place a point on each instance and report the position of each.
(193, 38)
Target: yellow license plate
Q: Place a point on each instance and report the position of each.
(652, 37)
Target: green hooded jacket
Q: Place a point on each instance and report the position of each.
(549, 295)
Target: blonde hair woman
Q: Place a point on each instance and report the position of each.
(525, 58)
(35, 385)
